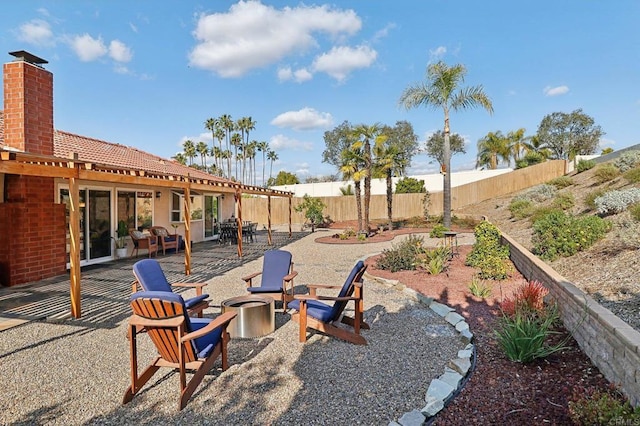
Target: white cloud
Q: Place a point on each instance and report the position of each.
(282, 142)
(604, 142)
(340, 61)
(253, 35)
(437, 53)
(133, 27)
(384, 32)
(120, 52)
(555, 91)
(299, 76)
(36, 32)
(88, 48)
(304, 119)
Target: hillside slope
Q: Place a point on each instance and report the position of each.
(609, 271)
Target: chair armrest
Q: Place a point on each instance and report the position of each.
(248, 278)
(326, 286)
(305, 297)
(221, 321)
(290, 276)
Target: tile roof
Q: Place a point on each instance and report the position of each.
(91, 150)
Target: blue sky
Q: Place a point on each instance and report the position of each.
(148, 74)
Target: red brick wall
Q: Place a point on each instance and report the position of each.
(28, 108)
(34, 238)
(34, 243)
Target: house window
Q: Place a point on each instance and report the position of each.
(135, 208)
(177, 202)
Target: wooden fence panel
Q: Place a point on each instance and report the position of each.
(407, 205)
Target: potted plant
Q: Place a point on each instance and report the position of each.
(121, 243)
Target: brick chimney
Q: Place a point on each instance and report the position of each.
(28, 104)
(28, 207)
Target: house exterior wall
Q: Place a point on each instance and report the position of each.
(35, 241)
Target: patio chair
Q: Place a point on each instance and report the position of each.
(277, 273)
(182, 342)
(315, 314)
(165, 239)
(143, 241)
(150, 276)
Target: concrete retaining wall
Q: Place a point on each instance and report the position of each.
(612, 345)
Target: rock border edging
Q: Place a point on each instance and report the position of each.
(456, 374)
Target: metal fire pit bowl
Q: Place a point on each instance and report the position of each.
(256, 316)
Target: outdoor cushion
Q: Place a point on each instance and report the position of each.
(315, 309)
(152, 278)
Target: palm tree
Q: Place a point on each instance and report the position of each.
(189, 150)
(517, 143)
(180, 158)
(227, 124)
(250, 152)
(263, 147)
(368, 134)
(236, 141)
(271, 156)
(441, 91)
(351, 169)
(211, 124)
(203, 149)
(220, 135)
(491, 147)
(389, 161)
(245, 125)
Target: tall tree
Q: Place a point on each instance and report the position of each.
(517, 143)
(263, 147)
(180, 158)
(203, 149)
(336, 141)
(491, 148)
(441, 90)
(365, 136)
(352, 169)
(271, 156)
(189, 150)
(245, 125)
(211, 124)
(236, 141)
(568, 135)
(389, 162)
(435, 146)
(228, 125)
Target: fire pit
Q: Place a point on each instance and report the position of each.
(256, 316)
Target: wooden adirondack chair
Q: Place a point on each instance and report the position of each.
(277, 274)
(315, 314)
(183, 343)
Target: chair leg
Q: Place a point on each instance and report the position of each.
(303, 321)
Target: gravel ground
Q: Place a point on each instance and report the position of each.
(75, 373)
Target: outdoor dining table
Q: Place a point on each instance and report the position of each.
(229, 232)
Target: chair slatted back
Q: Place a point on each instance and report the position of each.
(166, 339)
(347, 289)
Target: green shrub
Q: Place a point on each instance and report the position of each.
(635, 212)
(590, 199)
(479, 287)
(606, 172)
(438, 231)
(592, 406)
(564, 201)
(401, 256)
(494, 267)
(561, 182)
(541, 212)
(521, 208)
(538, 193)
(558, 234)
(434, 261)
(632, 175)
(628, 160)
(584, 165)
(522, 336)
(488, 254)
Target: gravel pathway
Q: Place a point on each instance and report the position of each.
(75, 372)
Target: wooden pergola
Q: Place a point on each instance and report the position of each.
(74, 171)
